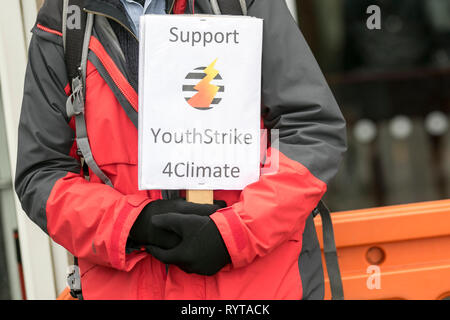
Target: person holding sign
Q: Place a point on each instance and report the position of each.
(139, 243)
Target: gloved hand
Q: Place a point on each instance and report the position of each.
(201, 250)
(144, 232)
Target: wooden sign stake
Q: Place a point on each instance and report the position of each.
(200, 196)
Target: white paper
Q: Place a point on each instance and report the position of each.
(199, 128)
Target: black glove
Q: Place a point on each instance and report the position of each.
(201, 250)
(144, 232)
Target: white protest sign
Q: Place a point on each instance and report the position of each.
(199, 102)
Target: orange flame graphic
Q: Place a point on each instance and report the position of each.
(206, 91)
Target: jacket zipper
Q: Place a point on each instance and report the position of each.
(114, 19)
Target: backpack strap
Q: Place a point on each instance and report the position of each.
(76, 48)
(73, 35)
(232, 7)
(330, 252)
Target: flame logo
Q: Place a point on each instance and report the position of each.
(206, 90)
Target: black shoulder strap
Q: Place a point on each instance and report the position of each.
(74, 27)
(330, 252)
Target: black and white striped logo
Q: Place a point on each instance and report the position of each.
(192, 87)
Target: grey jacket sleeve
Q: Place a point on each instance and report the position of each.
(45, 137)
(296, 97)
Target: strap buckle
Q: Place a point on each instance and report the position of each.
(74, 282)
(75, 102)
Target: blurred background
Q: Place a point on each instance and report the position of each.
(392, 85)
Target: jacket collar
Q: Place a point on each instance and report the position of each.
(114, 9)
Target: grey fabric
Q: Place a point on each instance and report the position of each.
(106, 36)
(330, 252)
(206, 6)
(203, 6)
(50, 14)
(85, 149)
(85, 50)
(43, 35)
(76, 100)
(230, 7)
(5, 293)
(64, 21)
(215, 7)
(310, 264)
(45, 137)
(130, 47)
(243, 7)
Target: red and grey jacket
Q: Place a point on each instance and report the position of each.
(267, 227)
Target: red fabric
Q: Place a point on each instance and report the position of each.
(118, 78)
(92, 229)
(270, 212)
(180, 6)
(67, 89)
(262, 227)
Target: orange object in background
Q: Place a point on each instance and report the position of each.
(397, 252)
(65, 295)
(408, 244)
